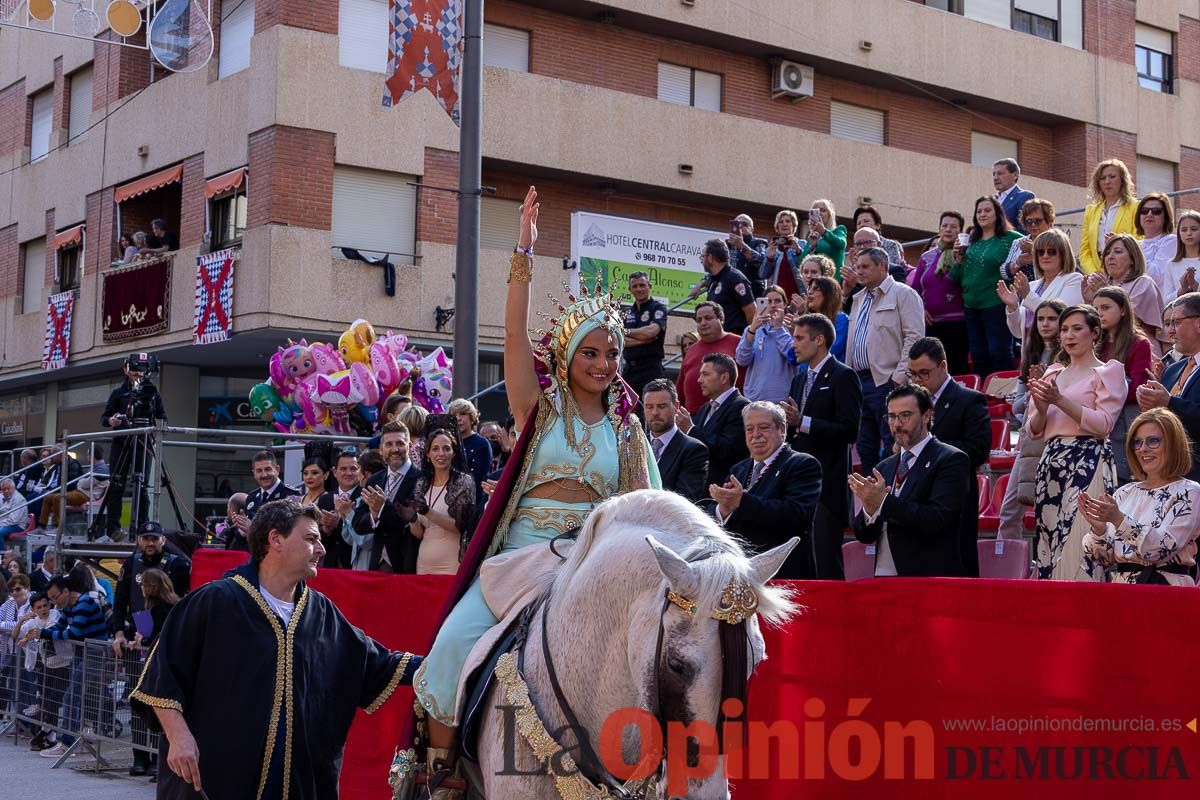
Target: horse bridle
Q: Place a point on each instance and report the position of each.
(590, 765)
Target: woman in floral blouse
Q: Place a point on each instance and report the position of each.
(1146, 531)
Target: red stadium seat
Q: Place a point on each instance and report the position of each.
(1003, 455)
(999, 401)
(30, 524)
(989, 519)
(969, 381)
(858, 560)
(985, 493)
(1004, 558)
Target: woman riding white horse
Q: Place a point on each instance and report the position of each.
(580, 445)
(656, 608)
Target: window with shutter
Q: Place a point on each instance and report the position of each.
(1153, 51)
(689, 87)
(855, 122)
(505, 47)
(363, 34)
(81, 103)
(1154, 175)
(375, 212)
(675, 84)
(41, 124)
(987, 149)
(237, 29)
(34, 274)
(498, 223)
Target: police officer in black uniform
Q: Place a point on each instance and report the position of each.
(129, 600)
(645, 334)
(270, 487)
(727, 287)
(134, 403)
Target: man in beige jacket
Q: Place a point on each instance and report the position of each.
(886, 319)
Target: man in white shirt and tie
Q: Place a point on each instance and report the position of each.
(772, 495)
(718, 423)
(823, 413)
(912, 504)
(385, 510)
(1005, 175)
(682, 460)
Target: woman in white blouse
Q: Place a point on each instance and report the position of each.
(1154, 220)
(1058, 278)
(1175, 269)
(1146, 531)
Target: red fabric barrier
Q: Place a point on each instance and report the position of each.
(870, 658)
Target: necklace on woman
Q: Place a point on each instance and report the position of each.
(432, 485)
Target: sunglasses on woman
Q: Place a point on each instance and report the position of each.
(1150, 443)
(1156, 211)
(1046, 251)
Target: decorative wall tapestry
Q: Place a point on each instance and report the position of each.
(136, 299)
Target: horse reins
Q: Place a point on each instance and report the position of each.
(590, 765)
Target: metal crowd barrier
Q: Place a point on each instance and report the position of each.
(79, 691)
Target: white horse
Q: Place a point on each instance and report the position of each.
(610, 614)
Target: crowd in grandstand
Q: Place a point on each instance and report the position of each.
(845, 351)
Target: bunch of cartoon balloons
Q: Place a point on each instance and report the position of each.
(319, 388)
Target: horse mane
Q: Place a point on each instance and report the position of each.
(719, 556)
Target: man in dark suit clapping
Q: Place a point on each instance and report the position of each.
(270, 487)
(1179, 390)
(961, 420)
(771, 496)
(823, 412)
(913, 501)
(386, 508)
(682, 460)
(718, 423)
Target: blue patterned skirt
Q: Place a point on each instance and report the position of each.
(1068, 466)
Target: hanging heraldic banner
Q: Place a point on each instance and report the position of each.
(136, 298)
(59, 310)
(213, 318)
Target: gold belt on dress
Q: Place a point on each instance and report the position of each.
(560, 518)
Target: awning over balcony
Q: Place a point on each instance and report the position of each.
(225, 183)
(68, 238)
(149, 183)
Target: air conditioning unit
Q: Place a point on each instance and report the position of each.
(789, 79)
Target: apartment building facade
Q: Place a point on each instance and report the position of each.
(682, 111)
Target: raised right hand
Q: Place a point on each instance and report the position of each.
(791, 411)
(529, 215)
(1007, 295)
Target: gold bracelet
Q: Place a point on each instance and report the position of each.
(520, 268)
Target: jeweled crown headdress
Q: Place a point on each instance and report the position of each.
(603, 307)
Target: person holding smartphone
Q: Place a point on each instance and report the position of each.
(781, 267)
(764, 348)
(825, 237)
(747, 253)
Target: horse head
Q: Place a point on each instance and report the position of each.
(658, 608)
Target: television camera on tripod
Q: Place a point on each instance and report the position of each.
(136, 403)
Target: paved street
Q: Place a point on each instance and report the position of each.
(25, 774)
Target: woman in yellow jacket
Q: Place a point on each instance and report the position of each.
(1111, 211)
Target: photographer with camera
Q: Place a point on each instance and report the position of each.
(135, 403)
